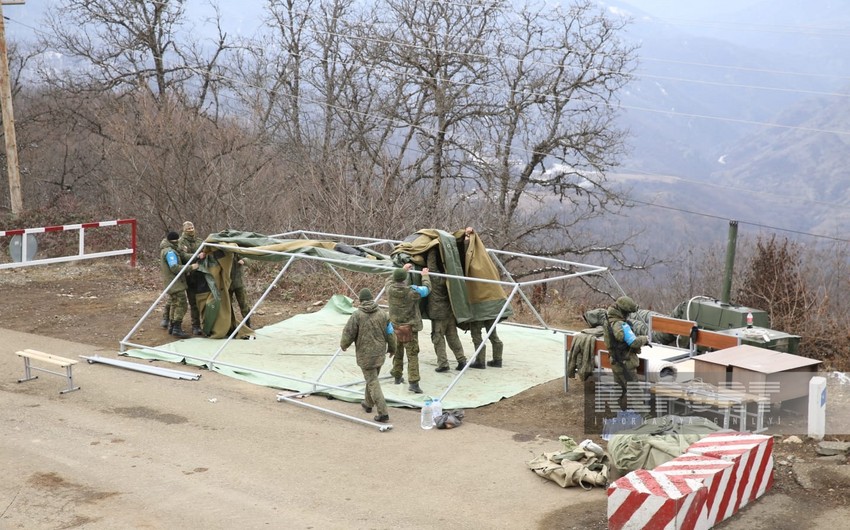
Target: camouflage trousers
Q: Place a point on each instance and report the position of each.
(176, 306)
(374, 396)
(241, 300)
(624, 374)
(411, 349)
(444, 331)
(475, 329)
(191, 295)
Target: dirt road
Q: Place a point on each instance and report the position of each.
(133, 450)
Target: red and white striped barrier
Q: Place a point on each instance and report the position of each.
(81, 248)
(752, 455)
(718, 477)
(650, 500)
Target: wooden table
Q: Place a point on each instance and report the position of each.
(697, 393)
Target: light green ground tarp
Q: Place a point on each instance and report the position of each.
(303, 346)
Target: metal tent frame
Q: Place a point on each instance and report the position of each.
(513, 286)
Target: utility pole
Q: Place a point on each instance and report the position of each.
(9, 118)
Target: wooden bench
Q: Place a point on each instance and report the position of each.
(34, 355)
(716, 341)
(698, 338)
(673, 326)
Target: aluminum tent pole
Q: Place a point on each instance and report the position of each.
(251, 312)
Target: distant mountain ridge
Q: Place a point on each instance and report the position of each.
(708, 131)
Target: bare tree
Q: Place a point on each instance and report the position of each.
(553, 139)
(125, 46)
(439, 56)
(773, 282)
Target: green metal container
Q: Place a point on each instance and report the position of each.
(714, 315)
(765, 338)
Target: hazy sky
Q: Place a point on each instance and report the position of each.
(242, 16)
(690, 8)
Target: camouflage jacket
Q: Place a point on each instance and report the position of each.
(404, 300)
(170, 265)
(236, 278)
(615, 336)
(439, 304)
(367, 329)
(187, 245)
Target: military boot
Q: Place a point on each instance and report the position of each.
(177, 330)
(165, 323)
(196, 331)
(414, 387)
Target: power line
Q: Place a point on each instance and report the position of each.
(621, 106)
(725, 187)
(645, 75)
(745, 68)
(673, 113)
(749, 87)
(751, 223)
(485, 56)
(736, 120)
(819, 31)
(636, 201)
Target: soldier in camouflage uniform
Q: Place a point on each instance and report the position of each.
(477, 330)
(404, 311)
(476, 327)
(188, 244)
(170, 265)
(443, 324)
(371, 331)
(623, 345)
(237, 287)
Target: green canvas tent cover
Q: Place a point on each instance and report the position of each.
(471, 300)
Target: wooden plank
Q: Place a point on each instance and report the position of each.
(52, 356)
(46, 357)
(716, 341)
(601, 352)
(673, 326)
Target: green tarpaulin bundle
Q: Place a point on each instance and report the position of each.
(471, 300)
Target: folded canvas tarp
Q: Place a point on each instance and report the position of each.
(471, 301)
(657, 441)
(257, 246)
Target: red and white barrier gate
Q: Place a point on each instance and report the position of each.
(718, 477)
(648, 500)
(81, 247)
(752, 455)
(712, 481)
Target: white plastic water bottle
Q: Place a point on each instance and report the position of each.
(436, 410)
(749, 319)
(426, 420)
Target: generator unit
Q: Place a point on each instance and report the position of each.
(731, 319)
(769, 339)
(714, 315)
